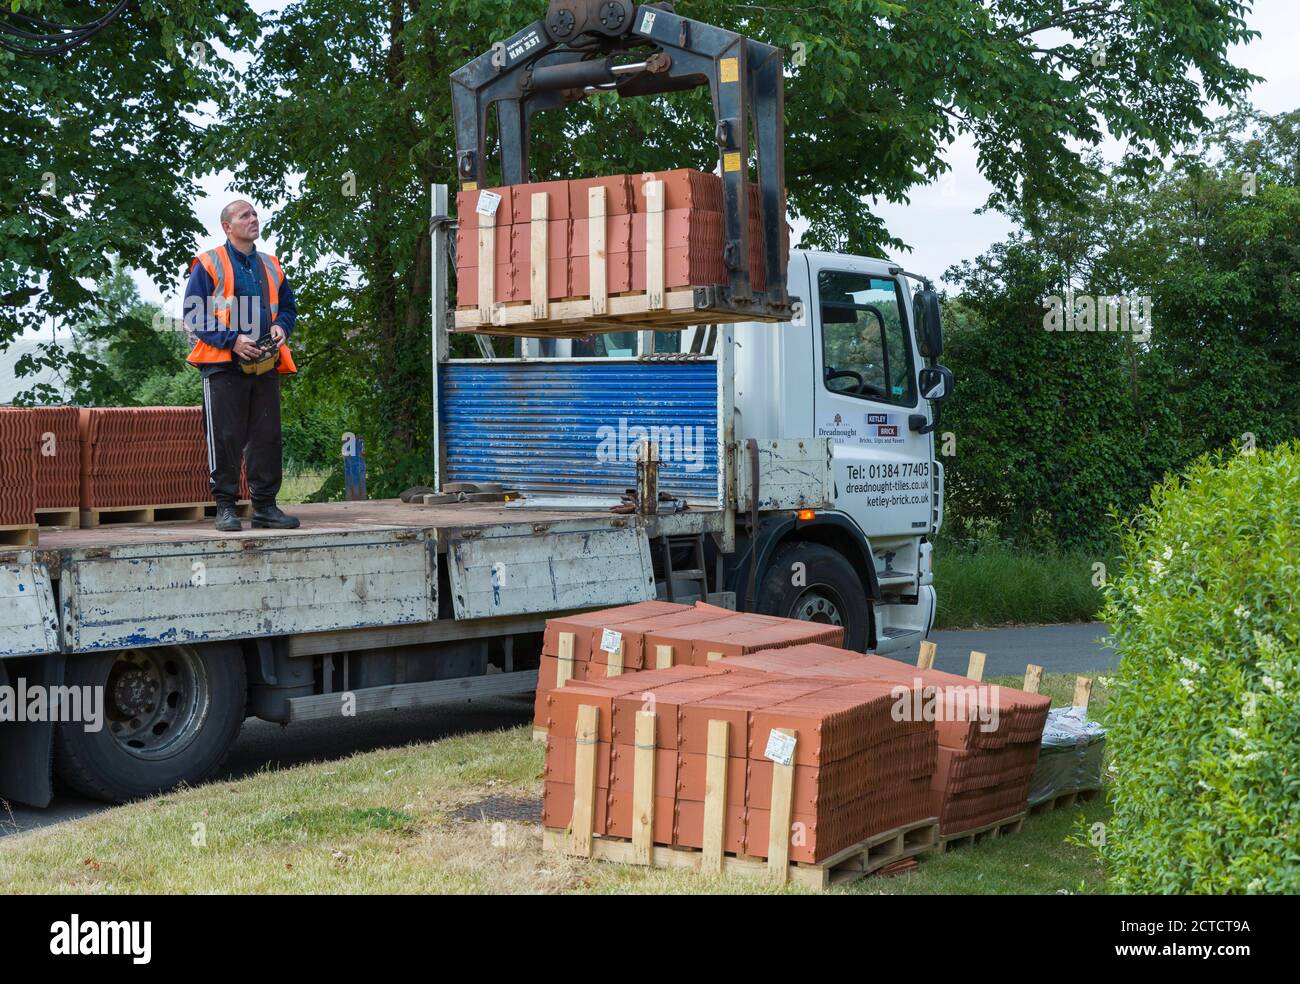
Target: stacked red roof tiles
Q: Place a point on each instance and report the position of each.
(17, 468)
(693, 236)
(988, 737)
(860, 767)
(144, 456)
(66, 457)
(58, 457)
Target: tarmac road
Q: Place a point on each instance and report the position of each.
(262, 745)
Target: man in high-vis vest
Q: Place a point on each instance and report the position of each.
(237, 304)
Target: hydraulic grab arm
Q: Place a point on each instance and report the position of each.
(571, 53)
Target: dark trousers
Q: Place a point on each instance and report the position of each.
(241, 416)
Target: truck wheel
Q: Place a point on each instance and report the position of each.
(824, 589)
(170, 716)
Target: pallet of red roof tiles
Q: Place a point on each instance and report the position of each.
(566, 259)
(144, 465)
(143, 456)
(676, 767)
(988, 737)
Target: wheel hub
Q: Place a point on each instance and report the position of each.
(815, 605)
(157, 700)
(134, 691)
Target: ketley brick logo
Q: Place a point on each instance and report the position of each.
(102, 938)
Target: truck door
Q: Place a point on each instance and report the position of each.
(867, 363)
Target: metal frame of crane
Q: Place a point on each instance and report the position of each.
(570, 54)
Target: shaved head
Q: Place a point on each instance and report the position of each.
(229, 209)
(239, 222)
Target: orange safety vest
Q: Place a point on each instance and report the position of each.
(217, 264)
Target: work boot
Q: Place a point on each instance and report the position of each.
(271, 518)
(228, 520)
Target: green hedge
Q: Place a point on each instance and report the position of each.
(1205, 708)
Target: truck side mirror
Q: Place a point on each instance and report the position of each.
(936, 386)
(936, 383)
(929, 325)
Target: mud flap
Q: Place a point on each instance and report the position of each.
(27, 747)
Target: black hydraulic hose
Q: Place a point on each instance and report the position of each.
(70, 36)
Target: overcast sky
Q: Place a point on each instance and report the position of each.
(940, 221)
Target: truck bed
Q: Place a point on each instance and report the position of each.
(317, 518)
(447, 519)
(350, 567)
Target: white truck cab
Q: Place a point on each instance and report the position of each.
(850, 368)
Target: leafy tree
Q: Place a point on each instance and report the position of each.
(123, 347)
(1055, 428)
(99, 157)
(355, 97)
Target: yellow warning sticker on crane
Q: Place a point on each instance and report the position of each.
(730, 70)
(731, 162)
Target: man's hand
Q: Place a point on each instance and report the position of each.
(278, 335)
(246, 348)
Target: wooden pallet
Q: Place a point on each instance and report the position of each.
(1064, 801)
(858, 861)
(69, 518)
(977, 835)
(19, 536)
(657, 308)
(94, 518)
(580, 839)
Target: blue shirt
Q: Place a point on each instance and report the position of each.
(250, 316)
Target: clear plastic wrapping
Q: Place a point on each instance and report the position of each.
(1070, 759)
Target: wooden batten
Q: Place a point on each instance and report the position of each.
(582, 823)
(715, 798)
(539, 257)
(778, 834)
(596, 248)
(643, 789)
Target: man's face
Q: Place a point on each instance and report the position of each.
(242, 222)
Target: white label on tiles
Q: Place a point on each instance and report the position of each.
(780, 748)
(487, 203)
(610, 641)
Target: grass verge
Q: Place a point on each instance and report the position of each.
(1001, 586)
(386, 821)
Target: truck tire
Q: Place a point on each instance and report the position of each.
(170, 715)
(825, 588)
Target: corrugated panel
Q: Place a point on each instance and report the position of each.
(572, 426)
